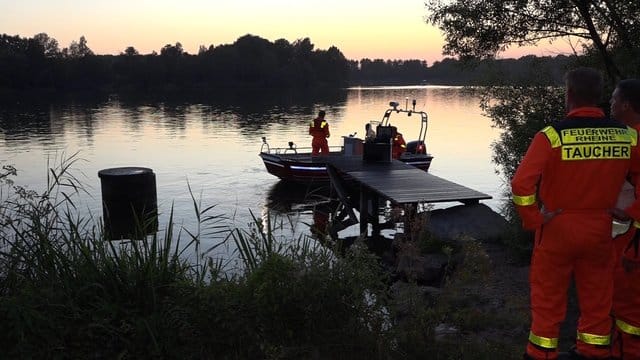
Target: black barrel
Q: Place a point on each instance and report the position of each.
(129, 202)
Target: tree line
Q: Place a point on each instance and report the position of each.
(38, 63)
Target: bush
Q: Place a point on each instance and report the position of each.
(67, 292)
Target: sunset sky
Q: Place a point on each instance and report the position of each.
(359, 28)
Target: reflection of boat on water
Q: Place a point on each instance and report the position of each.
(286, 196)
(297, 164)
(327, 216)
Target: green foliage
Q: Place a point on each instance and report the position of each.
(66, 292)
(481, 29)
(520, 112)
(481, 327)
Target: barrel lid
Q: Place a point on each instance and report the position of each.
(124, 171)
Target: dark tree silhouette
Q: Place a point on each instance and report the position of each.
(481, 28)
(251, 62)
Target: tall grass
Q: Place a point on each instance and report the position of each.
(67, 292)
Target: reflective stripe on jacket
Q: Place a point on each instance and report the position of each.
(575, 164)
(319, 128)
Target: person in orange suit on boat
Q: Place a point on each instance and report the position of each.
(625, 107)
(398, 146)
(565, 189)
(319, 130)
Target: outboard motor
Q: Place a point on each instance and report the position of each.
(416, 147)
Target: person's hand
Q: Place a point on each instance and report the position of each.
(548, 215)
(619, 214)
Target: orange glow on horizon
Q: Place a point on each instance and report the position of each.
(359, 28)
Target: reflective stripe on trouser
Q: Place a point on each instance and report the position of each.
(626, 304)
(541, 347)
(627, 328)
(577, 244)
(593, 339)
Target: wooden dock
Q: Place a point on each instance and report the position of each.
(395, 181)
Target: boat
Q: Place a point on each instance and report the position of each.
(296, 164)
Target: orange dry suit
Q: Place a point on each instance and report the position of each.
(575, 169)
(319, 129)
(626, 293)
(398, 146)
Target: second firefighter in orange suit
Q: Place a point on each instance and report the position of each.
(625, 107)
(319, 130)
(564, 189)
(398, 146)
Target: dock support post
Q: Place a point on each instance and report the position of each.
(375, 219)
(364, 212)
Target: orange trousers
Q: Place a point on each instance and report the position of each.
(626, 303)
(319, 145)
(574, 244)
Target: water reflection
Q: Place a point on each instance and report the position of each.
(209, 142)
(285, 197)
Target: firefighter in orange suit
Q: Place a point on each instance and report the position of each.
(565, 189)
(319, 129)
(398, 146)
(625, 107)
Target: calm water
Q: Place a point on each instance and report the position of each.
(213, 145)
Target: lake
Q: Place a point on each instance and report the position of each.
(212, 144)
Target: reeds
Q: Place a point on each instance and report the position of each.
(67, 292)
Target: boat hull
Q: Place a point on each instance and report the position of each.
(305, 168)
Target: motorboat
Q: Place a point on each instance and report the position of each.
(293, 163)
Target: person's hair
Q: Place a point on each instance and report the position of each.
(321, 113)
(367, 126)
(585, 84)
(629, 91)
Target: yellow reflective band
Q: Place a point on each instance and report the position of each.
(524, 200)
(595, 136)
(547, 343)
(636, 224)
(403, 145)
(628, 328)
(633, 134)
(593, 339)
(323, 124)
(596, 151)
(552, 135)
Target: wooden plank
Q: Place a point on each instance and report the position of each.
(410, 186)
(404, 184)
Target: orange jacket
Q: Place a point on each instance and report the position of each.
(319, 128)
(578, 164)
(399, 146)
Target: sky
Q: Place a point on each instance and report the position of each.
(374, 29)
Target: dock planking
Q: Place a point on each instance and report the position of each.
(403, 184)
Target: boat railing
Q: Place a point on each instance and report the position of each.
(293, 148)
(424, 118)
